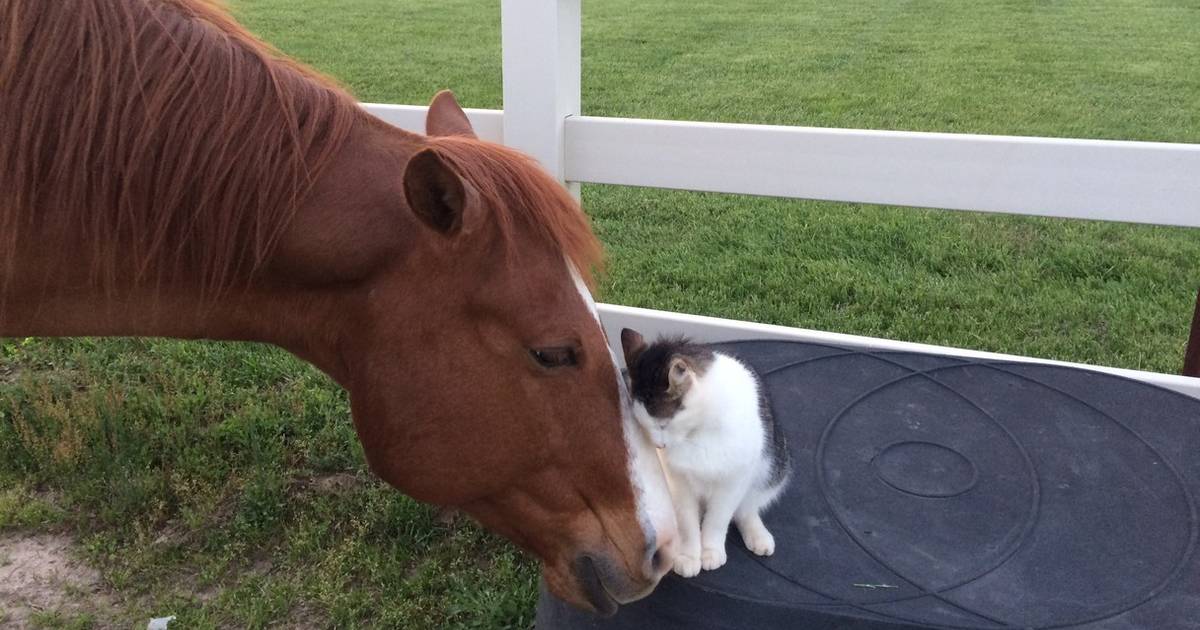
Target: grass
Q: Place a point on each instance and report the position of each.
(223, 483)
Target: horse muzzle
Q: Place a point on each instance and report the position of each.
(605, 587)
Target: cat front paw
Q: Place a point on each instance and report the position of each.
(687, 566)
(761, 543)
(712, 558)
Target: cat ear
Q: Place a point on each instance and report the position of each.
(633, 344)
(679, 377)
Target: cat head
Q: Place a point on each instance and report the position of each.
(661, 377)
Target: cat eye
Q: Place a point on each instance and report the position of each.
(554, 357)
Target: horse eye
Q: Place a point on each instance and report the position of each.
(553, 357)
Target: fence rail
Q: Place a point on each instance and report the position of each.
(1143, 182)
(488, 123)
(1110, 180)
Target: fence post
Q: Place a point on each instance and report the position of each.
(541, 55)
(1191, 355)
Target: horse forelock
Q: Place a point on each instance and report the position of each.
(519, 194)
(160, 136)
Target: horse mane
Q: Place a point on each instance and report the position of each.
(174, 146)
(158, 135)
(518, 191)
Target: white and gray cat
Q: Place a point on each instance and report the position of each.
(724, 456)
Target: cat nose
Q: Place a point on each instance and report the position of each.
(661, 557)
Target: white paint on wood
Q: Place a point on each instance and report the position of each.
(711, 329)
(1143, 182)
(1138, 182)
(488, 123)
(541, 58)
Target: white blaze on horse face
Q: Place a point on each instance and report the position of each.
(655, 510)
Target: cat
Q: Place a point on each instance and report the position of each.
(724, 456)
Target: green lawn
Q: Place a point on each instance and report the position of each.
(223, 482)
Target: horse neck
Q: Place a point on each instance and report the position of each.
(304, 297)
(295, 319)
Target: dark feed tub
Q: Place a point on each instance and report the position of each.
(939, 492)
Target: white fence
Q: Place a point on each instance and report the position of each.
(1139, 182)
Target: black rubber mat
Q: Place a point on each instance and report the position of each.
(938, 492)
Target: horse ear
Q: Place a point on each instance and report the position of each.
(632, 343)
(438, 195)
(446, 118)
(679, 377)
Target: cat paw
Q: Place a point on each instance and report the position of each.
(762, 543)
(687, 566)
(712, 559)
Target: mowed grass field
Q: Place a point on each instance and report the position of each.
(223, 482)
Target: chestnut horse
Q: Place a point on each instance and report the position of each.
(163, 173)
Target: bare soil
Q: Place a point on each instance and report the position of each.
(39, 574)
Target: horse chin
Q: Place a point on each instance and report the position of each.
(603, 588)
(587, 576)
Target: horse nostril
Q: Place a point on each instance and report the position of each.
(662, 558)
(659, 561)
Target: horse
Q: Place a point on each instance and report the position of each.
(164, 173)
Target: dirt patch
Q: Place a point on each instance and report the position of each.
(39, 574)
(9, 373)
(336, 484)
(303, 617)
